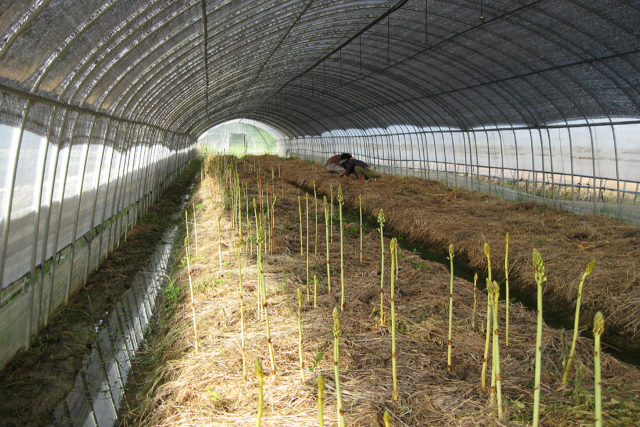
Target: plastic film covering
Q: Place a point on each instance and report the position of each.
(101, 103)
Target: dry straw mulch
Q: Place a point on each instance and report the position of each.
(208, 389)
(429, 213)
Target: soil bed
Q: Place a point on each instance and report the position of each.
(208, 388)
(430, 214)
(34, 382)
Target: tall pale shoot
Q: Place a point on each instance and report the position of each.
(540, 277)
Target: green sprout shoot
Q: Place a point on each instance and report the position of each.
(307, 215)
(321, 400)
(260, 376)
(598, 329)
(244, 360)
(315, 290)
(506, 285)
(360, 202)
(449, 346)
(300, 217)
(540, 277)
(341, 202)
(326, 228)
(387, 418)
(336, 363)
(587, 272)
(299, 295)
(475, 300)
(381, 221)
(193, 305)
(393, 246)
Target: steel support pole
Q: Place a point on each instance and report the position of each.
(77, 212)
(56, 235)
(36, 228)
(615, 152)
(93, 208)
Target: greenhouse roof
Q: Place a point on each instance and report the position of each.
(306, 67)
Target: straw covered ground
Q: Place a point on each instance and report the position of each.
(427, 212)
(207, 388)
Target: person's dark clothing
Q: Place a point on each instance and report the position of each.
(336, 159)
(352, 163)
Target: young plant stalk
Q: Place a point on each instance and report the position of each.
(598, 329)
(341, 202)
(321, 400)
(260, 375)
(540, 277)
(381, 222)
(331, 213)
(264, 297)
(326, 228)
(193, 305)
(449, 346)
(244, 360)
(387, 418)
(336, 362)
(315, 290)
(300, 217)
(587, 272)
(360, 202)
(393, 247)
(315, 198)
(307, 222)
(485, 359)
(219, 244)
(506, 285)
(496, 349)
(302, 376)
(475, 300)
(195, 228)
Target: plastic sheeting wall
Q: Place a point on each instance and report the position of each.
(581, 167)
(72, 182)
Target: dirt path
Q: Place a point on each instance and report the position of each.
(34, 382)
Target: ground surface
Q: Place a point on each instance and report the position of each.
(183, 387)
(34, 382)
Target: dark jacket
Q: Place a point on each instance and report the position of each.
(352, 163)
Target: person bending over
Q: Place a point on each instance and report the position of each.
(332, 165)
(359, 168)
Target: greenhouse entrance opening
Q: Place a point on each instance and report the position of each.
(240, 137)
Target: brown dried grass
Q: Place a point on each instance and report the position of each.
(207, 389)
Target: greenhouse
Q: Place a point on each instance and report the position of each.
(299, 213)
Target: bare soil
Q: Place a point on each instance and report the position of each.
(34, 382)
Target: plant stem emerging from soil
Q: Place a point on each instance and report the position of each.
(540, 277)
(193, 305)
(451, 255)
(496, 348)
(320, 381)
(360, 200)
(326, 227)
(475, 300)
(485, 359)
(336, 362)
(393, 246)
(598, 329)
(341, 202)
(299, 296)
(315, 290)
(587, 272)
(244, 360)
(260, 376)
(381, 222)
(300, 217)
(264, 297)
(306, 197)
(506, 285)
